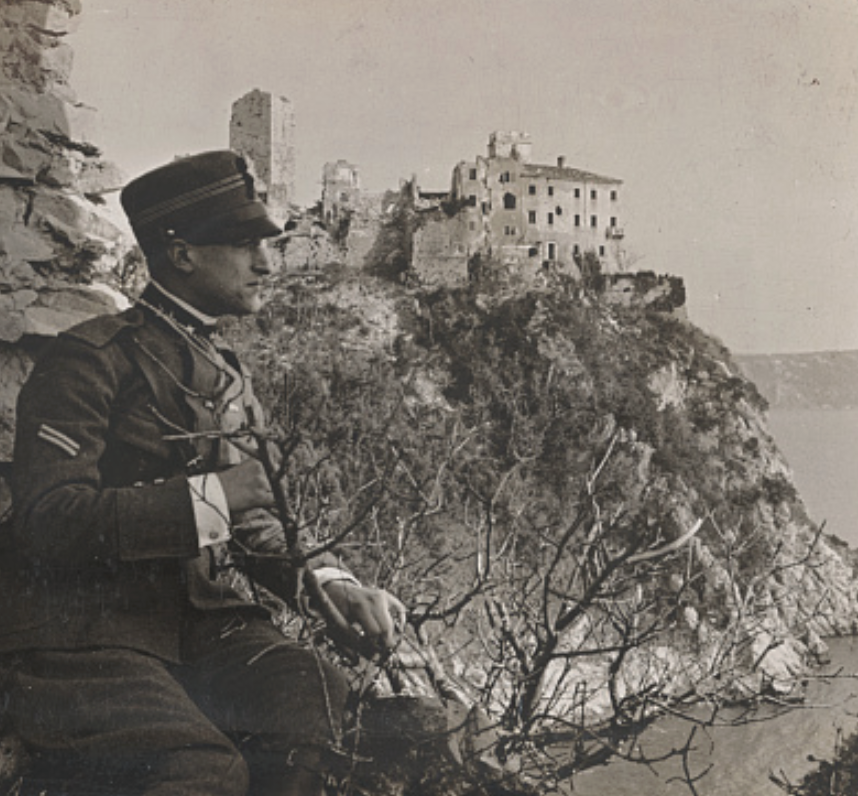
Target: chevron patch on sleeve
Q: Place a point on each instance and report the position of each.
(58, 439)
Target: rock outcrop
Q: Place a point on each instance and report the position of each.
(56, 233)
(553, 377)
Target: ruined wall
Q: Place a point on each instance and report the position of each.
(262, 127)
(364, 243)
(307, 246)
(57, 239)
(340, 191)
(440, 255)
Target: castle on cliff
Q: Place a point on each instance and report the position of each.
(501, 208)
(521, 210)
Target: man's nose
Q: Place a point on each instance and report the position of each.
(263, 262)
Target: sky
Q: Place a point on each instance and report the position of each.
(732, 123)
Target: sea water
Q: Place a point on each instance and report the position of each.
(821, 446)
(737, 755)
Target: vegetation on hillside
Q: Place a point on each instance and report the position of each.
(577, 502)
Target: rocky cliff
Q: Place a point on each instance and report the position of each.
(56, 235)
(548, 419)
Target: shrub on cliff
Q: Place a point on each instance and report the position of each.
(526, 470)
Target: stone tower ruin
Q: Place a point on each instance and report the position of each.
(262, 128)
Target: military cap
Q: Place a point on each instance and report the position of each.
(208, 198)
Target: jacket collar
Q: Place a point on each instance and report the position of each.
(187, 317)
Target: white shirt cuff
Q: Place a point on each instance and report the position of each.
(211, 511)
(333, 574)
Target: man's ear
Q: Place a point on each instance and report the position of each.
(180, 256)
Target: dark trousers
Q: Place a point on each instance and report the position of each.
(243, 709)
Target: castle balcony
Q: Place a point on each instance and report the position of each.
(615, 233)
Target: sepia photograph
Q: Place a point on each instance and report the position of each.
(444, 398)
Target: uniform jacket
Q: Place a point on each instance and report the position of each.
(104, 550)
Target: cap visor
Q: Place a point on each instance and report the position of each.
(253, 222)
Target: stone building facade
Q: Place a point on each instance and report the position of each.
(341, 191)
(262, 127)
(531, 214)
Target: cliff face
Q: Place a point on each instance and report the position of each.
(56, 235)
(519, 415)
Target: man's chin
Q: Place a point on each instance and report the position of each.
(252, 307)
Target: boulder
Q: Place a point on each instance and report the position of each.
(24, 159)
(96, 177)
(59, 310)
(22, 244)
(51, 114)
(780, 660)
(55, 18)
(72, 217)
(16, 275)
(817, 647)
(11, 320)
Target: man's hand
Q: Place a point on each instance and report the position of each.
(246, 486)
(378, 614)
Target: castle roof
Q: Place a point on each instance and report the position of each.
(566, 173)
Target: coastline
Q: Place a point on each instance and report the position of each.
(744, 743)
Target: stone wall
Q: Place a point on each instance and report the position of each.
(440, 255)
(57, 239)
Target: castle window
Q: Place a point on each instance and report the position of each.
(504, 177)
(532, 251)
(531, 216)
(577, 193)
(551, 190)
(472, 174)
(593, 194)
(613, 196)
(577, 221)
(576, 250)
(552, 251)
(558, 210)
(594, 222)
(508, 230)
(613, 221)
(551, 218)
(601, 251)
(472, 200)
(531, 189)
(509, 201)
(485, 208)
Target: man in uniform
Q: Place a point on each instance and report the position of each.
(124, 649)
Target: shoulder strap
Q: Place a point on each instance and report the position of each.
(100, 331)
